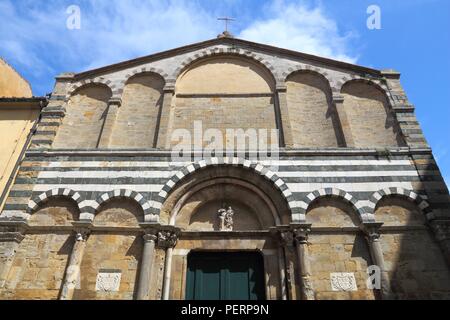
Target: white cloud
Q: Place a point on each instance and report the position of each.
(35, 39)
(299, 27)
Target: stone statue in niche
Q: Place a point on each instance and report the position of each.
(226, 218)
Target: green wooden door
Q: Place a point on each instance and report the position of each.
(225, 276)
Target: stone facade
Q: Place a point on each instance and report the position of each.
(100, 209)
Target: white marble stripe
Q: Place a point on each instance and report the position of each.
(349, 187)
(299, 174)
(100, 187)
(106, 174)
(335, 162)
(169, 174)
(112, 164)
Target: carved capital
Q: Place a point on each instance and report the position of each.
(372, 230)
(301, 232)
(167, 238)
(286, 238)
(81, 234)
(82, 230)
(150, 236)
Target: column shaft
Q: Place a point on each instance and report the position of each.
(143, 292)
(167, 274)
(72, 273)
(346, 132)
(108, 123)
(161, 132)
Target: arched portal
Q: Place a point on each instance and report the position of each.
(200, 205)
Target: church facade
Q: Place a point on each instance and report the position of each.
(117, 198)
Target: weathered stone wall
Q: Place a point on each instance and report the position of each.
(414, 261)
(110, 251)
(225, 75)
(313, 121)
(137, 118)
(369, 115)
(38, 268)
(221, 113)
(336, 250)
(84, 118)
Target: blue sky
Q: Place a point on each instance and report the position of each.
(414, 39)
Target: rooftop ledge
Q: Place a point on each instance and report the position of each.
(381, 152)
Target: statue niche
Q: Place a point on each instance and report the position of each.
(223, 216)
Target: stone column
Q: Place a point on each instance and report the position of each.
(284, 121)
(72, 273)
(285, 239)
(371, 229)
(346, 138)
(11, 235)
(161, 132)
(108, 122)
(167, 239)
(441, 230)
(301, 241)
(148, 254)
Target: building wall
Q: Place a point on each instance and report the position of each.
(86, 112)
(135, 126)
(309, 102)
(11, 83)
(15, 125)
(371, 120)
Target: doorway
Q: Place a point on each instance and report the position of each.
(225, 276)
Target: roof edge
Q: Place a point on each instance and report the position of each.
(198, 45)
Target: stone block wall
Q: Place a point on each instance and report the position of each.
(313, 119)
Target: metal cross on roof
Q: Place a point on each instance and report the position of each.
(226, 19)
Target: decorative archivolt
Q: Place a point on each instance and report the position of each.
(96, 81)
(277, 182)
(221, 51)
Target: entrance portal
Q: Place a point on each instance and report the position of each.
(225, 276)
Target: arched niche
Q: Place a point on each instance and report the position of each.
(395, 210)
(223, 92)
(368, 111)
(414, 262)
(313, 120)
(137, 118)
(330, 211)
(55, 211)
(119, 212)
(85, 113)
(218, 184)
(199, 212)
(226, 75)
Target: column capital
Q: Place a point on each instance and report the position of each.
(115, 101)
(167, 238)
(371, 230)
(441, 229)
(337, 98)
(301, 232)
(82, 230)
